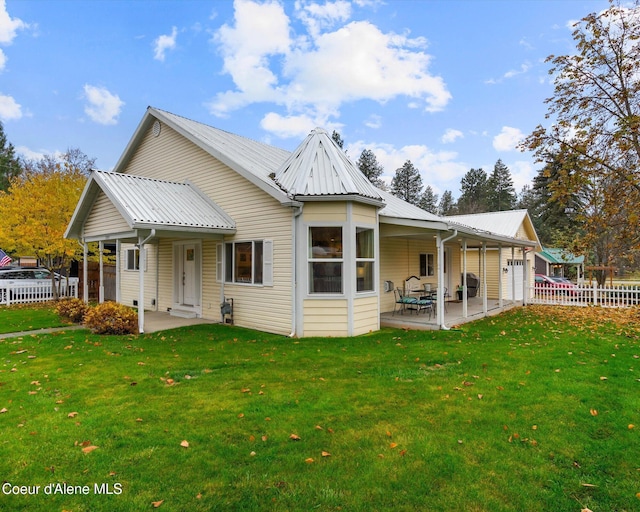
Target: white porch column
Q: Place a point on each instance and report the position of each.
(118, 266)
(464, 279)
(101, 288)
(484, 278)
(500, 279)
(513, 274)
(525, 278)
(85, 272)
(141, 267)
(440, 296)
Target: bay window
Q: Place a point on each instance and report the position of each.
(325, 259)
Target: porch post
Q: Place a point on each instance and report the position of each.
(484, 278)
(525, 274)
(440, 297)
(500, 272)
(118, 265)
(101, 288)
(464, 278)
(85, 272)
(513, 274)
(141, 266)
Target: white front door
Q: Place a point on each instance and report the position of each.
(187, 274)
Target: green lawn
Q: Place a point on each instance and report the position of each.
(531, 410)
(28, 317)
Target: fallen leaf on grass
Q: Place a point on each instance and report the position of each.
(72, 414)
(393, 445)
(185, 444)
(294, 437)
(89, 449)
(326, 454)
(593, 412)
(309, 460)
(603, 378)
(156, 504)
(3, 410)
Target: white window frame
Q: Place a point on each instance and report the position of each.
(223, 264)
(371, 260)
(430, 270)
(311, 260)
(136, 259)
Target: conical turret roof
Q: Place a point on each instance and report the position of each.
(319, 167)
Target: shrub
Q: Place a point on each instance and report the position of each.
(112, 318)
(72, 309)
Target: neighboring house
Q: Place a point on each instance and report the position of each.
(558, 262)
(303, 242)
(515, 263)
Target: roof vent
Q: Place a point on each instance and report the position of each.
(156, 128)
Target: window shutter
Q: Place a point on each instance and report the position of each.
(267, 263)
(219, 261)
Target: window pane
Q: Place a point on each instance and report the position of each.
(257, 262)
(430, 269)
(325, 277)
(364, 243)
(243, 262)
(364, 276)
(325, 242)
(423, 265)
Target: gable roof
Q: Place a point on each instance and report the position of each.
(147, 203)
(560, 256)
(253, 160)
(505, 223)
(319, 168)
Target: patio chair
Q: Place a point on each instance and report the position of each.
(425, 304)
(402, 300)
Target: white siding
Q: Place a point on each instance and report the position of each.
(104, 218)
(328, 317)
(129, 279)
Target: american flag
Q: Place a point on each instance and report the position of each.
(4, 259)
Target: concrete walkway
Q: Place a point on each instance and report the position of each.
(37, 332)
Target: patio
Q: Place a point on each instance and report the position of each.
(453, 315)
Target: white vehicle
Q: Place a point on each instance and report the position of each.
(27, 284)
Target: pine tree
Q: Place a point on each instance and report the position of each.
(9, 164)
(447, 205)
(337, 139)
(407, 183)
(429, 200)
(501, 195)
(473, 198)
(369, 166)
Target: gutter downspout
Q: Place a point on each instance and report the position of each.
(141, 266)
(294, 271)
(440, 300)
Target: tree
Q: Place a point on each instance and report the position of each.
(37, 208)
(473, 197)
(501, 195)
(369, 166)
(595, 115)
(447, 205)
(337, 139)
(429, 200)
(407, 183)
(9, 164)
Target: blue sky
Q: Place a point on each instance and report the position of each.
(448, 84)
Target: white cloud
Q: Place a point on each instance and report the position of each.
(289, 126)
(9, 108)
(510, 74)
(522, 173)
(507, 139)
(164, 43)
(29, 154)
(315, 72)
(8, 30)
(374, 121)
(451, 135)
(103, 107)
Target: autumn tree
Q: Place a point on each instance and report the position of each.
(9, 164)
(501, 195)
(37, 208)
(594, 119)
(407, 183)
(473, 196)
(369, 166)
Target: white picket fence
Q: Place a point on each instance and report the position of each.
(14, 293)
(594, 295)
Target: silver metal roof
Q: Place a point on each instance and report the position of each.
(399, 208)
(319, 167)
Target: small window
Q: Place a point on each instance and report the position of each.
(133, 259)
(325, 259)
(427, 267)
(365, 259)
(244, 262)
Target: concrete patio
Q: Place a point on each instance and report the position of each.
(453, 315)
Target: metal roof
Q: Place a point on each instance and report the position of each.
(319, 167)
(399, 208)
(147, 203)
(503, 223)
(560, 256)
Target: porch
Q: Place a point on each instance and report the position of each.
(453, 315)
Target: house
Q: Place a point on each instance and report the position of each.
(513, 263)
(302, 242)
(558, 262)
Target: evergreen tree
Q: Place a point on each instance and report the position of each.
(369, 166)
(407, 183)
(447, 205)
(501, 195)
(337, 139)
(9, 164)
(473, 198)
(429, 200)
